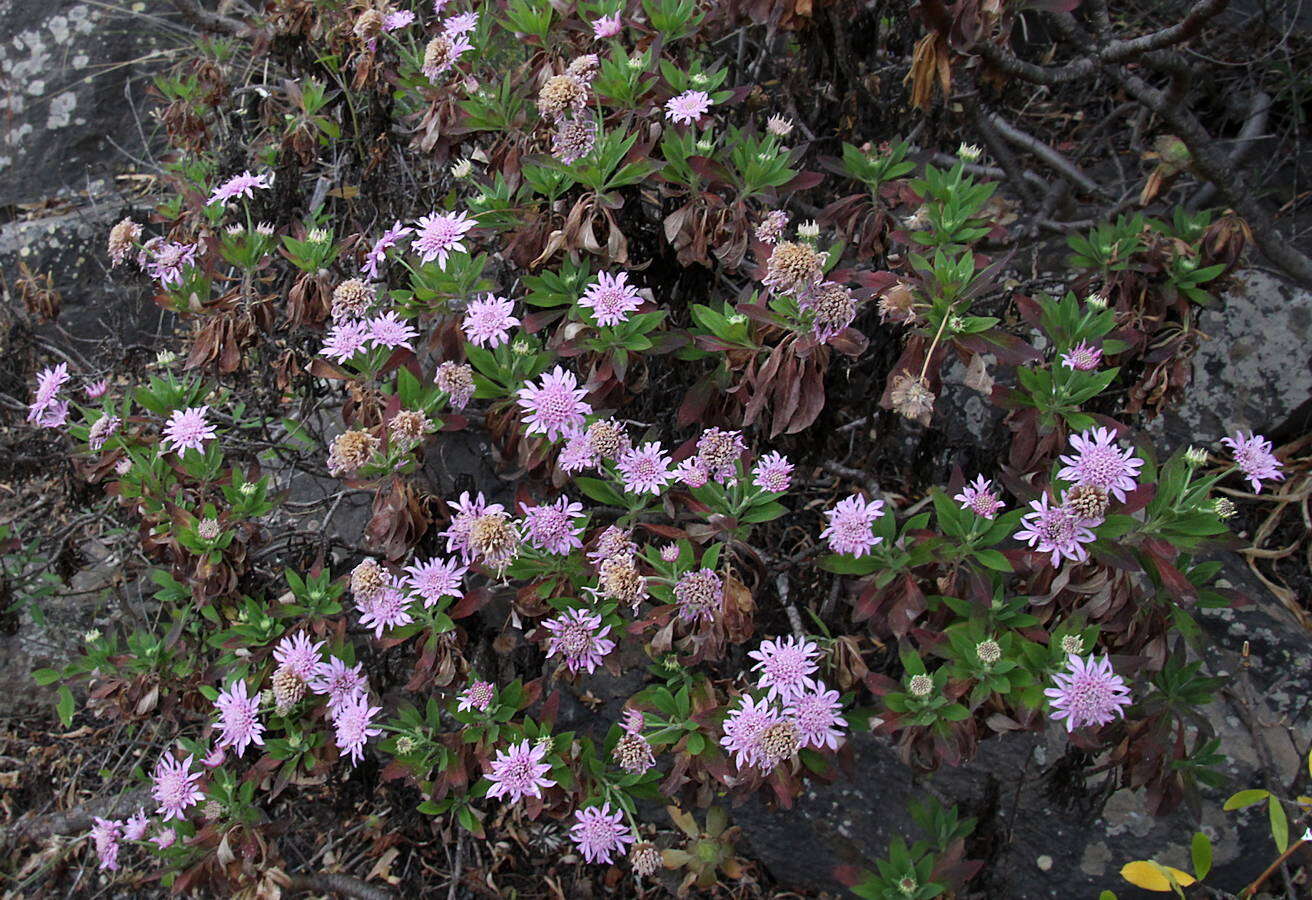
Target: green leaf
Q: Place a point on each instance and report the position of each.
(1201, 851)
(1279, 823)
(601, 491)
(1245, 798)
(696, 743)
(44, 677)
(65, 705)
(994, 560)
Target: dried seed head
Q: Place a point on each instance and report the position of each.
(439, 55)
(562, 94)
(350, 451)
(779, 742)
(619, 579)
(369, 24)
(457, 379)
(123, 238)
(912, 398)
(368, 580)
(633, 753)
(606, 438)
(1087, 501)
(408, 427)
(794, 267)
(645, 859)
(494, 538)
(584, 67)
(832, 309)
(574, 139)
(288, 689)
(352, 298)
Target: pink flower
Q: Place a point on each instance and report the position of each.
(464, 512)
(573, 139)
(786, 666)
(606, 27)
(1083, 357)
(817, 714)
(397, 19)
(978, 497)
(551, 526)
(460, 24)
(633, 721)
(175, 786)
(386, 610)
(340, 682)
(164, 260)
(849, 525)
(718, 451)
(577, 454)
(187, 430)
(1254, 458)
(687, 107)
(744, 730)
(1088, 692)
(389, 331)
(612, 542)
(239, 718)
(440, 234)
(105, 833)
(670, 553)
(352, 724)
(645, 469)
(1057, 530)
(345, 339)
(134, 829)
(556, 407)
(580, 638)
(102, 430)
(45, 410)
(698, 594)
(692, 472)
(436, 579)
(1101, 463)
(772, 227)
(378, 255)
(215, 757)
(518, 772)
(773, 473)
(298, 655)
(442, 53)
(488, 321)
(598, 833)
(96, 389)
(478, 696)
(164, 838)
(611, 298)
(457, 379)
(239, 186)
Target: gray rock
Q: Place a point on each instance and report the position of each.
(1254, 371)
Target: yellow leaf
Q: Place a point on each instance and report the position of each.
(1153, 876)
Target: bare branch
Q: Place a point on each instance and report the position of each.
(1186, 28)
(1058, 163)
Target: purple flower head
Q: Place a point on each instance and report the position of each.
(699, 595)
(612, 542)
(633, 721)
(134, 829)
(102, 430)
(719, 451)
(1057, 530)
(397, 19)
(340, 682)
(1101, 464)
(440, 234)
(1254, 458)
(577, 454)
(645, 469)
(1088, 692)
(518, 772)
(96, 389)
(692, 472)
(387, 609)
(573, 139)
(786, 666)
(345, 339)
(299, 656)
(215, 757)
(772, 227)
(598, 833)
(773, 473)
(164, 838)
(175, 786)
(389, 331)
(241, 185)
(164, 260)
(979, 498)
(670, 553)
(442, 53)
(488, 321)
(462, 23)
(606, 27)
(579, 638)
(849, 525)
(611, 298)
(187, 429)
(49, 382)
(478, 696)
(106, 833)
(1083, 357)
(464, 512)
(551, 526)
(818, 717)
(556, 407)
(378, 253)
(239, 718)
(758, 734)
(687, 107)
(436, 579)
(352, 724)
